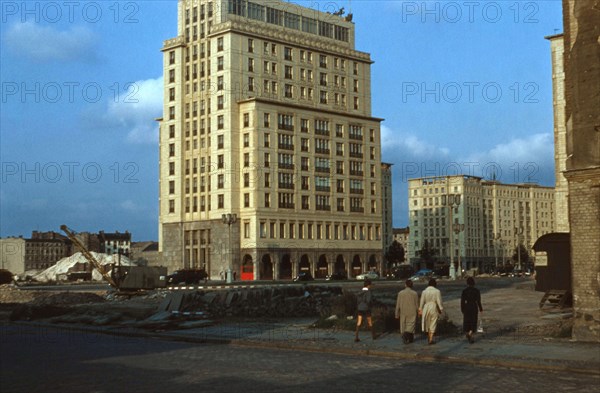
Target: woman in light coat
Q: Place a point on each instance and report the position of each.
(430, 309)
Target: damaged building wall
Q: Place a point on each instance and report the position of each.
(582, 81)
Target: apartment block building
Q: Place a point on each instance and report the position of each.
(44, 249)
(270, 159)
(474, 222)
(402, 236)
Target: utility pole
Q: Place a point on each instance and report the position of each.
(229, 219)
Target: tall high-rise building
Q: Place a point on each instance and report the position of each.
(270, 159)
(557, 48)
(474, 222)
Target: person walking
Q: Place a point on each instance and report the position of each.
(470, 306)
(364, 302)
(430, 309)
(407, 307)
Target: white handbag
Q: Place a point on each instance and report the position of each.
(480, 326)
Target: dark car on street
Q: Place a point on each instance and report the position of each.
(304, 276)
(400, 272)
(187, 276)
(337, 276)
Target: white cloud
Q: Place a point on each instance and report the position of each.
(401, 146)
(136, 109)
(526, 159)
(46, 43)
(130, 206)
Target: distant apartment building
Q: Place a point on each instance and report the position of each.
(402, 236)
(115, 243)
(270, 159)
(474, 221)
(44, 249)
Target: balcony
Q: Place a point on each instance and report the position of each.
(356, 173)
(322, 170)
(286, 146)
(285, 166)
(287, 186)
(357, 191)
(286, 205)
(323, 207)
(356, 209)
(321, 150)
(356, 155)
(285, 127)
(357, 137)
(323, 188)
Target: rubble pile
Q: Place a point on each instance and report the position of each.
(66, 265)
(262, 302)
(52, 305)
(10, 294)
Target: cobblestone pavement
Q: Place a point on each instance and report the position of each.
(54, 360)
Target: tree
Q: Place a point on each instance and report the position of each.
(394, 253)
(427, 254)
(524, 256)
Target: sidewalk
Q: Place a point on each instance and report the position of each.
(508, 350)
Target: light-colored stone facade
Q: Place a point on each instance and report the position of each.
(561, 186)
(12, 255)
(493, 219)
(267, 115)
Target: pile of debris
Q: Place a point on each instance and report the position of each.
(11, 294)
(257, 302)
(53, 305)
(69, 264)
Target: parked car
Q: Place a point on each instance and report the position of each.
(423, 274)
(369, 275)
(187, 276)
(304, 276)
(337, 276)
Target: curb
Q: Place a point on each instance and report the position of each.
(504, 363)
(507, 362)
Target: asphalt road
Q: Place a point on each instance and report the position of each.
(51, 360)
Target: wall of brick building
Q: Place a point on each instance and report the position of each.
(585, 245)
(582, 90)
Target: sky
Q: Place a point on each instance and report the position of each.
(464, 87)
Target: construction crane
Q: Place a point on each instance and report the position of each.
(72, 236)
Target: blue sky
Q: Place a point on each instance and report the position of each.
(463, 86)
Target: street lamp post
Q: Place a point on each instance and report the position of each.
(452, 200)
(497, 237)
(518, 233)
(229, 219)
(457, 229)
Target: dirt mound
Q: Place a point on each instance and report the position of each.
(68, 299)
(10, 294)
